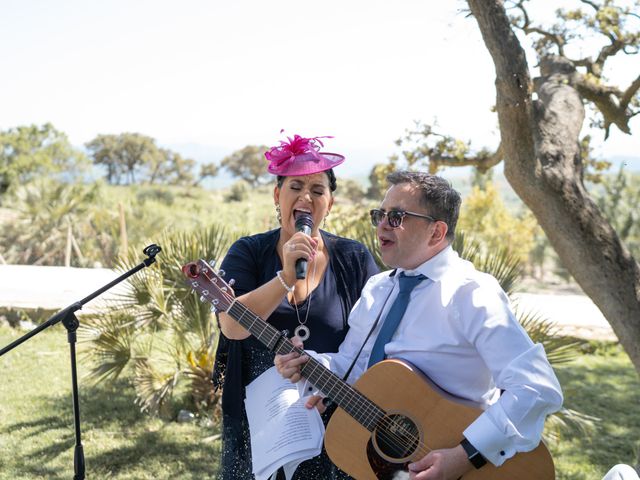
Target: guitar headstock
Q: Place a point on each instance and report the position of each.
(203, 278)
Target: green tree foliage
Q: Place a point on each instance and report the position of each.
(484, 215)
(351, 190)
(29, 152)
(173, 169)
(160, 330)
(207, 170)
(238, 192)
(378, 178)
(248, 164)
(134, 158)
(619, 201)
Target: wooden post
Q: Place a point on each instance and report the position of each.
(76, 248)
(124, 244)
(67, 252)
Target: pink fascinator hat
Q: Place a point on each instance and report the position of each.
(301, 156)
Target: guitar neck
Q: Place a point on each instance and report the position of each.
(349, 399)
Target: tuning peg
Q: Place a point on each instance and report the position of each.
(215, 302)
(213, 263)
(213, 309)
(203, 298)
(222, 273)
(232, 282)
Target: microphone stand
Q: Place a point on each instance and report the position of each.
(68, 318)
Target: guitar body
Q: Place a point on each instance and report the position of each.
(402, 390)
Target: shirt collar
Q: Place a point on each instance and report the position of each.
(436, 267)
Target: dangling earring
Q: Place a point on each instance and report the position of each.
(324, 221)
(278, 213)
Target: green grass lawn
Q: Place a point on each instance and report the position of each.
(603, 384)
(37, 438)
(36, 422)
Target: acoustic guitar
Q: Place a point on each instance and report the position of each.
(392, 416)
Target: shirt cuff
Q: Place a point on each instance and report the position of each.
(489, 440)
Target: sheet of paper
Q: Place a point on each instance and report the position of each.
(283, 431)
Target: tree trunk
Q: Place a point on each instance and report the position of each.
(540, 140)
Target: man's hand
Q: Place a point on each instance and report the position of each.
(315, 401)
(445, 464)
(289, 366)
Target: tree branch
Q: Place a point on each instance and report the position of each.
(483, 161)
(630, 92)
(606, 52)
(555, 38)
(595, 6)
(610, 101)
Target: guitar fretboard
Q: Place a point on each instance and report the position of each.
(363, 410)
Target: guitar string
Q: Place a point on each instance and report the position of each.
(370, 407)
(384, 421)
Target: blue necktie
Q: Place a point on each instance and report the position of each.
(392, 320)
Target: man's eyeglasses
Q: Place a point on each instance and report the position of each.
(394, 217)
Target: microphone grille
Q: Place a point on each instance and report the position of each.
(303, 219)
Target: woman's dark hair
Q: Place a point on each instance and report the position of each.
(333, 184)
(438, 196)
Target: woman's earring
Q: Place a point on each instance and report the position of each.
(324, 221)
(278, 213)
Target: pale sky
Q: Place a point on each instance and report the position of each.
(213, 76)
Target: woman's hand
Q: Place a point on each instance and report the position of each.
(298, 246)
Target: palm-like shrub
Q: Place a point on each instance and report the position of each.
(158, 329)
(49, 214)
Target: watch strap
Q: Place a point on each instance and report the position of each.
(474, 456)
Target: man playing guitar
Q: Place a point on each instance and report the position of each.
(457, 328)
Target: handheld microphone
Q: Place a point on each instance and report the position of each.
(304, 224)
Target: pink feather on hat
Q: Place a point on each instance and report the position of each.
(301, 156)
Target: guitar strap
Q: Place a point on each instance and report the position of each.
(375, 324)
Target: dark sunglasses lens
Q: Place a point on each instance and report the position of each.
(376, 217)
(395, 218)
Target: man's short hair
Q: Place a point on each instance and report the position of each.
(440, 199)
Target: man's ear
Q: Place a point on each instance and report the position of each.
(439, 232)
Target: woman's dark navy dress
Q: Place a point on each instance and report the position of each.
(253, 261)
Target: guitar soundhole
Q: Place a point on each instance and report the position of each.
(396, 437)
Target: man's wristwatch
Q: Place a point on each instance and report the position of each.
(474, 456)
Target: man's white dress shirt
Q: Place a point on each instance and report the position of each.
(460, 331)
